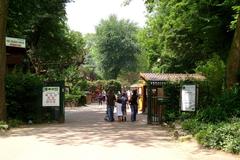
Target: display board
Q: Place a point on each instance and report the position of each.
(188, 97)
(50, 96)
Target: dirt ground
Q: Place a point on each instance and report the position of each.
(85, 135)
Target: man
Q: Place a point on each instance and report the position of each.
(110, 105)
(134, 105)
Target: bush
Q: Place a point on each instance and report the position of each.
(79, 99)
(225, 136)
(14, 123)
(113, 85)
(212, 114)
(3, 125)
(222, 108)
(214, 70)
(23, 96)
(193, 126)
(229, 101)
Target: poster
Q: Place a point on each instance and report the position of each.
(188, 98)
(51, 96)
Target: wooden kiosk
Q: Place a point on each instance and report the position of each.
(153, 92)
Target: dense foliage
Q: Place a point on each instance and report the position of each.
(116, 46)
(23, 92)
(50, 44)
(224, 135)
(214, 71)
(217, 125)
(180, 33)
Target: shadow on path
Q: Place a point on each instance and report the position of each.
(86, 134)
(85, 125)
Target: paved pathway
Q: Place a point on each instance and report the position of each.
(85, 135)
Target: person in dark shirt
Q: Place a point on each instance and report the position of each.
(110, 105)
(134, 105)
(124, 99)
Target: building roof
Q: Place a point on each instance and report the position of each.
(171, 76)
(136, 85)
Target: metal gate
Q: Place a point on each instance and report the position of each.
(53, 99)
(156, 104)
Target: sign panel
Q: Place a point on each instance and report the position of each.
(188, 98)
(51, 96)
(15, 42)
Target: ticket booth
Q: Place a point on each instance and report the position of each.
(155, 97)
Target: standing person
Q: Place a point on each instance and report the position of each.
(100, 98)
(119, 109)
(110, 105)
(134, 105)
(124, 100)
(104, 96)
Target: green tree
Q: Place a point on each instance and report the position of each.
(90, 63)
(181, 33)
(43, 23)
(3, 21)
(116, 46)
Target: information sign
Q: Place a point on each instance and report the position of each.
(51, 96)
(188, 98)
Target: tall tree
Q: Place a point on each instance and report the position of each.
(116, 46)
(43, 23)
(3, 21)
(233, 63)
(178, 34)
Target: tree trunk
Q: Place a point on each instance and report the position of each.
(3, 22)
(233, 63)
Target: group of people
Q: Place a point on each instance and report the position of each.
(121, 101)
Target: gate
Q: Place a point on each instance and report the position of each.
(156, 102)
(53, 99)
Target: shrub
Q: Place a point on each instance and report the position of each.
(14, 123)
(113, 85)
(3, 123)
(211, 114)
(23, 92)
(79, 99)
(229, 101)
(214, 70)
(193, 125)
(222, 108)
(225, 136)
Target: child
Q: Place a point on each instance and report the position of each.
(119, 109)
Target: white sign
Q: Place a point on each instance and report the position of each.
(15, 42)
(188, 98)
(51, 96)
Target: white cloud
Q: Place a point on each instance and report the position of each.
(84, 15)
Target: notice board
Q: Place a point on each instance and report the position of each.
(188, 97)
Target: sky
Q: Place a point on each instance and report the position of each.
(84, 15)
